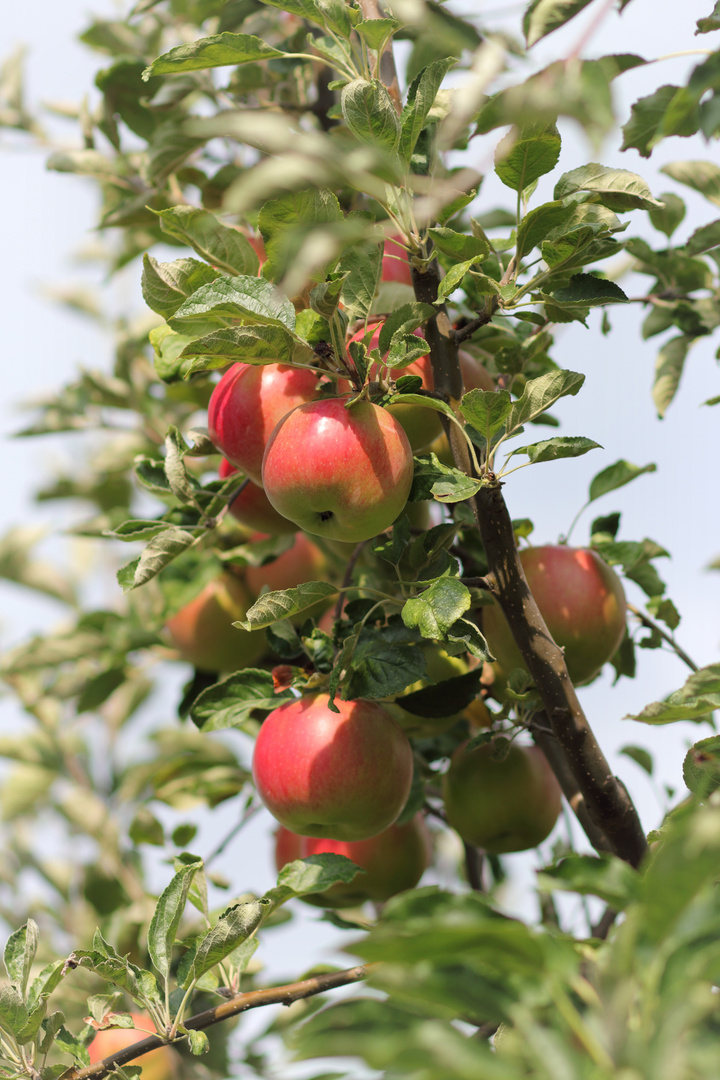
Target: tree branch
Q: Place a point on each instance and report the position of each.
(609, 807)
(255, 999)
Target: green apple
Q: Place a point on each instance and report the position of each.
(501, 805)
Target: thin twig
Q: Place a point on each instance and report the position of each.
(652, 625)
(274, 995)
(250, 812)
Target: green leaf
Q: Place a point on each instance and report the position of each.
(564, 446)
(362, 266)
(539, 394)
(668, 370)
(248, 298)
(161, 550)
(403, 321)
(169, 363)
(486, 410)
(273, 606)
(211, 52)
(544, 16)
(640, 756)
(437, 608)
(233, 927)
(667, 218)
(701, 767)
(539, 223)
(669, 110)
(421, 96)
(370, 114)
(198, 1042)
(315, 874)
(702, 176)
(433, 479)
(146, 829)
(232, 701)
(705, 238)
(698, 697)
(381, 668)
(454, 276)
(616, 476)
(48, 980)
(613, 880)
(526, 154)
(166, 286)
(587, 290)
(445, 698)
(226, 249)
(459, 245)
(269, 344)
(19, 954)
(617, 189)
(710, 22)
(166, 918)
(13, 1012)
(375, 32)
(280, 218)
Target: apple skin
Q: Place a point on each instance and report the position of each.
(395, 261)
(580, 598)
(304, 561)
(252, 509)
(160, 1064)
(337, 472)
(393, 861)
(343, 775)
(247, 404)
(501, 806)
(203, 631)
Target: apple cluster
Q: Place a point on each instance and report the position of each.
(314, 459)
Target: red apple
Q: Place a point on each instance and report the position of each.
(393, 861)
(338, 472)
(246, 405)
(501, 806)
(580, 598)
(203, 631)
(160, 1064)
(343, 775)
(251, 507)
(395, 263)
(304, 561)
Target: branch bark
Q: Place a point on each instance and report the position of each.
(274, 995)
(606, 805)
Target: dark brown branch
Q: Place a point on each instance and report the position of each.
(467, 331)
(473, 867)
(605, 923)
(608, 805)
(558, 762)
(650, 624)
(255, 999)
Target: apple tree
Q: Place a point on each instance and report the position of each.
(302, 470)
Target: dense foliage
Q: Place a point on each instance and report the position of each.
(258, 158)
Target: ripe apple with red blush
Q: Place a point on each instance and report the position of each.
(203, 632)
(344, 775)
(339, 471)
(393, 861)
(251, 507)
(582, 602)
(247, 404)
(501, 805)
(160, 1064)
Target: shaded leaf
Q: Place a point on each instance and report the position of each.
(273, 606)
(230, 702)
(211, 52)
(616, 476)
(526, 154)
(613, 880)
(544, 16)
